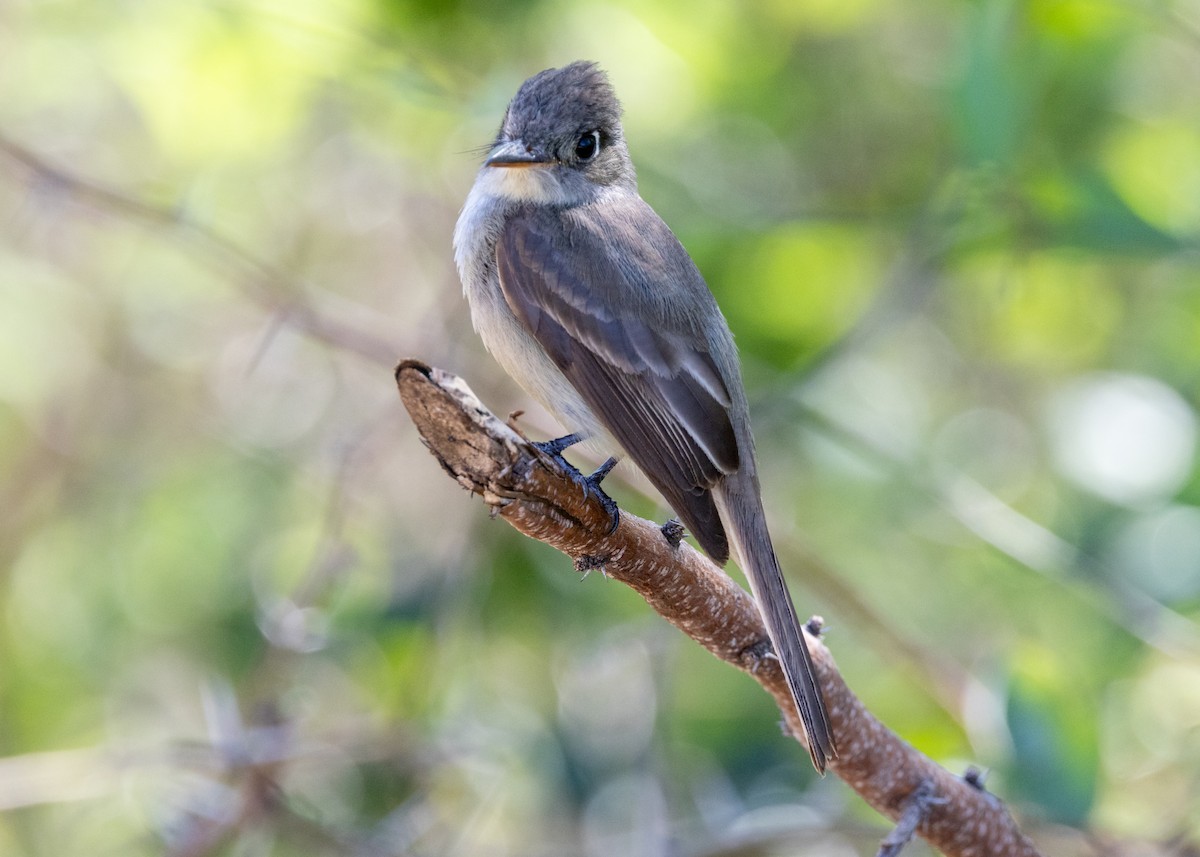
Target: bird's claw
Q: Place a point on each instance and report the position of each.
(590, 484)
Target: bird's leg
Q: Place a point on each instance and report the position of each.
(554, 448)
(603, 470)
(591, 484)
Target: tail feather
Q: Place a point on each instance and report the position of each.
(746, 528)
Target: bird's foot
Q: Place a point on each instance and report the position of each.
(591, 484)
(554, 448)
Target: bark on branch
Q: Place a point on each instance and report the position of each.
(529, 491)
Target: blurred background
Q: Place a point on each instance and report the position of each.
(242, 610)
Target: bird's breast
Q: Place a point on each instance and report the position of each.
(514, 348)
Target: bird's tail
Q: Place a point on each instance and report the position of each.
(741, 509)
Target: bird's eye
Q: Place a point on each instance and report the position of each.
(587, 146)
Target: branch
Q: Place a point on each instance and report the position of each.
(528, 490)
(263, 283)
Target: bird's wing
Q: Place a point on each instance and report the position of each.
(601, 288)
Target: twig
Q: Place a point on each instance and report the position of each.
(263, 283)
(530, 492)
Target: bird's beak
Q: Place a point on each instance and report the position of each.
(514, 153)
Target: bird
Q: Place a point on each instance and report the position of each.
(586, 298)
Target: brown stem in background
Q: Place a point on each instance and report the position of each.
(263, 283)
(530, 492)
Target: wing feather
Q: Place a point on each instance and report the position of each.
(600, 288)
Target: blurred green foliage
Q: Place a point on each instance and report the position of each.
(243, 612)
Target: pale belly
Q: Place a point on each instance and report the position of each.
(527, 364)
(503, 335)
